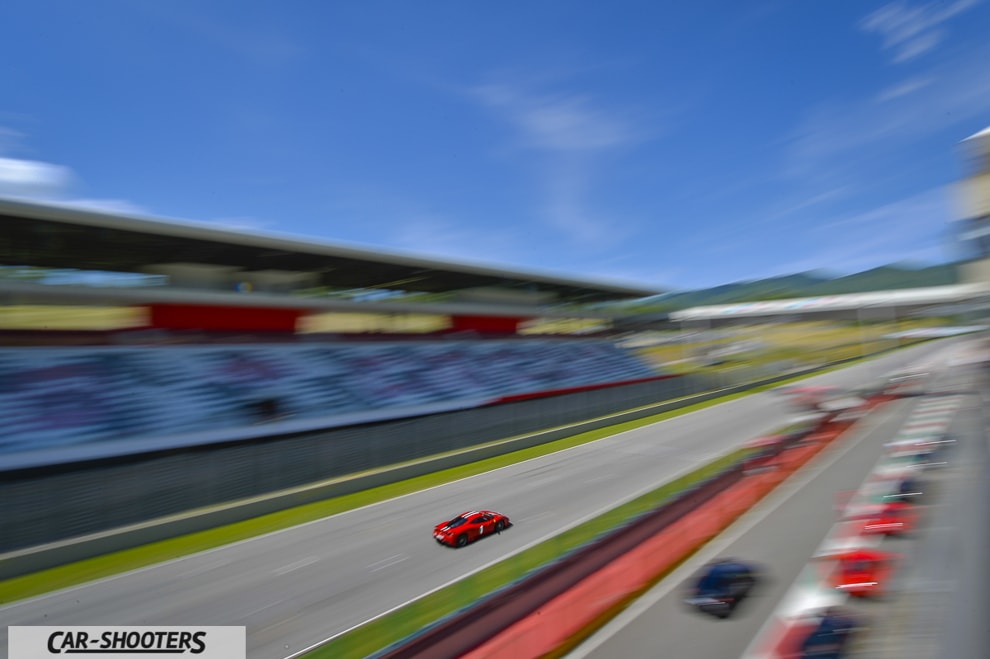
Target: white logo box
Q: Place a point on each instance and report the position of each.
(95, 642)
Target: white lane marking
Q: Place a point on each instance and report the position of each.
(777, 498)
(270, 605)
(203, 569)
(388, 562)
(285, 569)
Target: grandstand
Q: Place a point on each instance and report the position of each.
(240, 294)
(218, 391)
(172, 395)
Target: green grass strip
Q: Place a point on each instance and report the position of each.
(402, 623)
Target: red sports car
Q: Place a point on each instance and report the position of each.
(469, 526)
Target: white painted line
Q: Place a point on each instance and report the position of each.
(203, 569)
(267, 606)
(291, 567)
(388, 562)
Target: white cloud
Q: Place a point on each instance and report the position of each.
(378, 217)
(9, 138)
(556, 122)
(437, 236)
(790, 205)
(267, 45)
(32, 179)
(913, 228)
(434, 235)
(571, 132)
(566, 208)
(911, 31)
(833, 141)
(903, 89)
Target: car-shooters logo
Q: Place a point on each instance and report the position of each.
(124, 642)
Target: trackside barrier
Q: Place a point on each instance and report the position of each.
(36, 558)
(543, 612)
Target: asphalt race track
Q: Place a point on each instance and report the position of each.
(297, 587)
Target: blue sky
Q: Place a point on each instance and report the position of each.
(671, 144)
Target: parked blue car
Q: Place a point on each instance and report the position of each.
(719, 588)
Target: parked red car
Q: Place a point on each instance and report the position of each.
(863, 572)
(893, 518)
(468, 527)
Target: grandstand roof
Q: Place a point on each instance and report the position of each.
(983, 133)
(53, 236)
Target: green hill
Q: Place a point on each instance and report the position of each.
(806, 284)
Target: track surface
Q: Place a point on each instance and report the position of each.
(781, 534)
(296, 587)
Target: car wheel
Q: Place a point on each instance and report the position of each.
(461, 540)
(499, 526)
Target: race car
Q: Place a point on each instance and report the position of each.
(720, 586)
(863, 572)
(469, 526)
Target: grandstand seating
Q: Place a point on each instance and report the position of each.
(59, 396)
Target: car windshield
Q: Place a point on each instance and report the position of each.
(457, 521)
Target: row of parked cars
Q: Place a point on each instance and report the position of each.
(863, 569)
